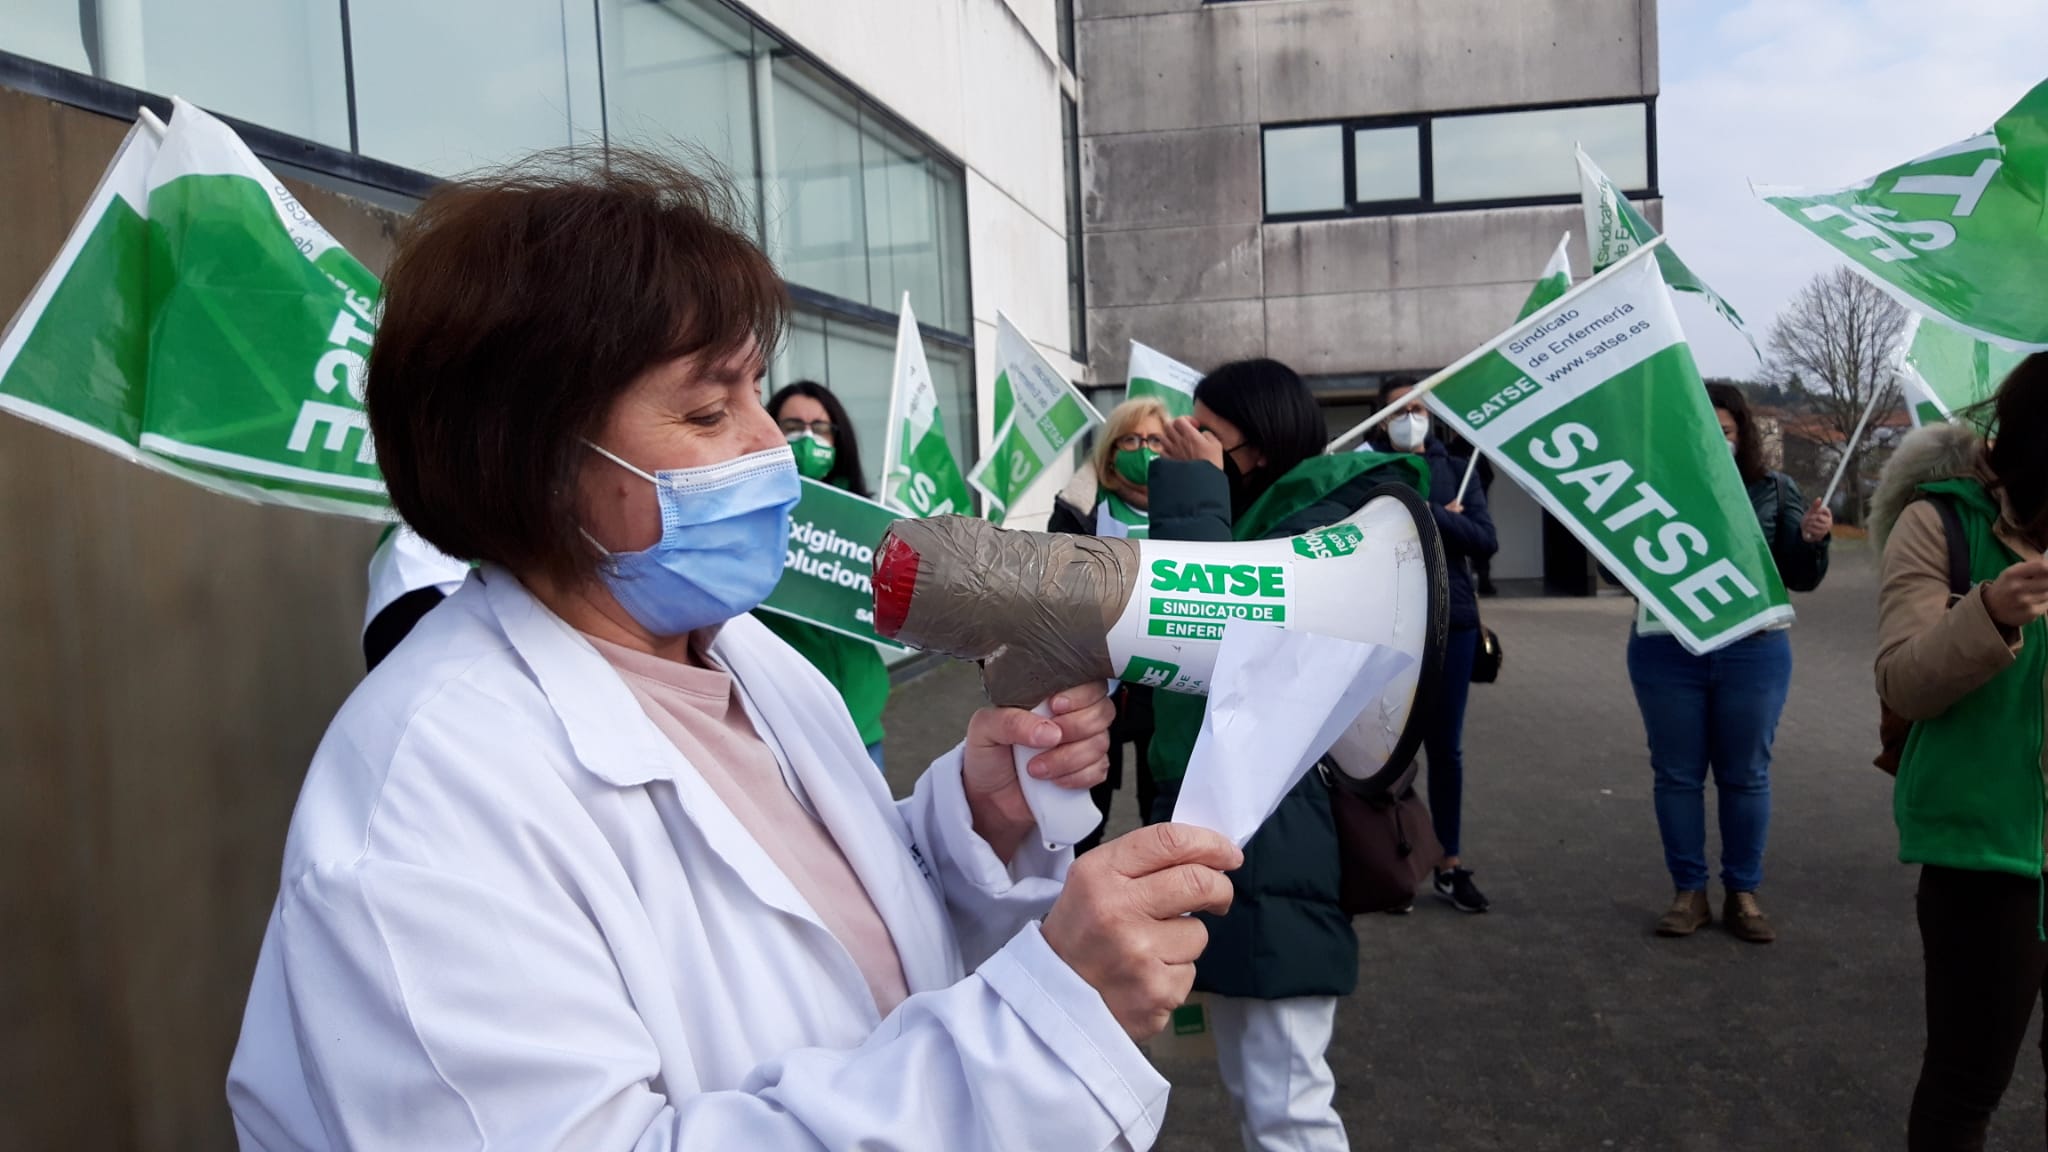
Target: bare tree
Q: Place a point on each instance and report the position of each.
(1840, 337)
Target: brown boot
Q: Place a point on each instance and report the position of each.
(1689, 913)
(1745, 919)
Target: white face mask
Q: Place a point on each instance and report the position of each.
(1732, 445)
(1409, 430)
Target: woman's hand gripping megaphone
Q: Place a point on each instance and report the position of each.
(1042, 613)
(1034, 610)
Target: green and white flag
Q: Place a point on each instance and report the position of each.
(826, 577)
(200, 321)
(1161, 378)
(1614, 228)
(1038, 416)
(1555, 281)
(1594, 406)
(1949, 370)
(919, 474)
(1958, 233)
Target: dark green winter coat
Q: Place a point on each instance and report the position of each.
(1284, 934)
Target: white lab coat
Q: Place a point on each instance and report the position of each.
(512, 916)
(405, 563)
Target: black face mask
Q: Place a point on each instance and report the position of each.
(1245, 487)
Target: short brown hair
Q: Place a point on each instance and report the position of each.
(519, 305)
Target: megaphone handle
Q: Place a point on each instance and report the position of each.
(1065, 815)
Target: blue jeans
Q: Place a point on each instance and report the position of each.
(1443, 738)
(1719, 712)
(875, 753)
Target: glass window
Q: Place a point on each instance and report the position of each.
(1304, 169)
(803, 351)
(902, 222)
(817, 216)
(683, 72)
(274, 64)
(951, 193)
(953, 377)
(458, 84)
(857, 360)
(1509, 155)
(1063, 18)
(1386, 164)
(52, 31)
(860, 365)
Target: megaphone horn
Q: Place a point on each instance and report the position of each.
(1043, 612)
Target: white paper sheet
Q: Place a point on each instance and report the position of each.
(1277, 701)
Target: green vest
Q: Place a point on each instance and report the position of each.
(1969, 793)
(1176, 717)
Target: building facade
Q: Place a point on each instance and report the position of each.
(1355, 187)
(172, 656)
(882, 149)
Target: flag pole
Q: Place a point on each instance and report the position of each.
(1357, 431)
(1471, 466)
(1849, 452)
(1897, 362)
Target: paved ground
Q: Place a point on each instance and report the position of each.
(1558, 1021)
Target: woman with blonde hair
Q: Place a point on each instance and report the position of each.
(1110, 498)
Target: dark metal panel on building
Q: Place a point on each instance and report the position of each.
(168, 660)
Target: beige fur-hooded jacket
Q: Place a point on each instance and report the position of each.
(1931, 654)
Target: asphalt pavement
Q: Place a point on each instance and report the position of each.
(1558, 1020)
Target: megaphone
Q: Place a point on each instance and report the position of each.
(1043, 612)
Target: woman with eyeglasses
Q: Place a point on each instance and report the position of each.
(1110, 497)
(815, 424)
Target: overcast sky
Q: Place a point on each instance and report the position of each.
(1816, 93)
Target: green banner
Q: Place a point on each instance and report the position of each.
(200, 321)
(1958, 233)
(1162, 378)
(1614, 228)
(1038, 416)
(1555, 281)
(920, 476)
(826, 575)
(1952, 371)
(1594, 406)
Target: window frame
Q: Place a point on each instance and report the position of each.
(399, 188)
(1427, 204)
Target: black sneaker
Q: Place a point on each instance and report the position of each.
(1457, 887)
(1401, 909)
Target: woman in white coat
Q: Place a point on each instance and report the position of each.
(593, 860)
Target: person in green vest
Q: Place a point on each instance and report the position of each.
(815, 424)
(1970, 670)
(1249, 465)
(1108, 498)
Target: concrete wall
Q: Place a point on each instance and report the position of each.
(168, 661)
(983, 79)
(1174, 94)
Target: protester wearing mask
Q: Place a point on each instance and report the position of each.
(821, 438)
(594, 860)
(1719, 712)
(1249, 465)
(1466, 529)
(1108, 498)
(1970, 672)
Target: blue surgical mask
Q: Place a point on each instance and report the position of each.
(724, 539)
